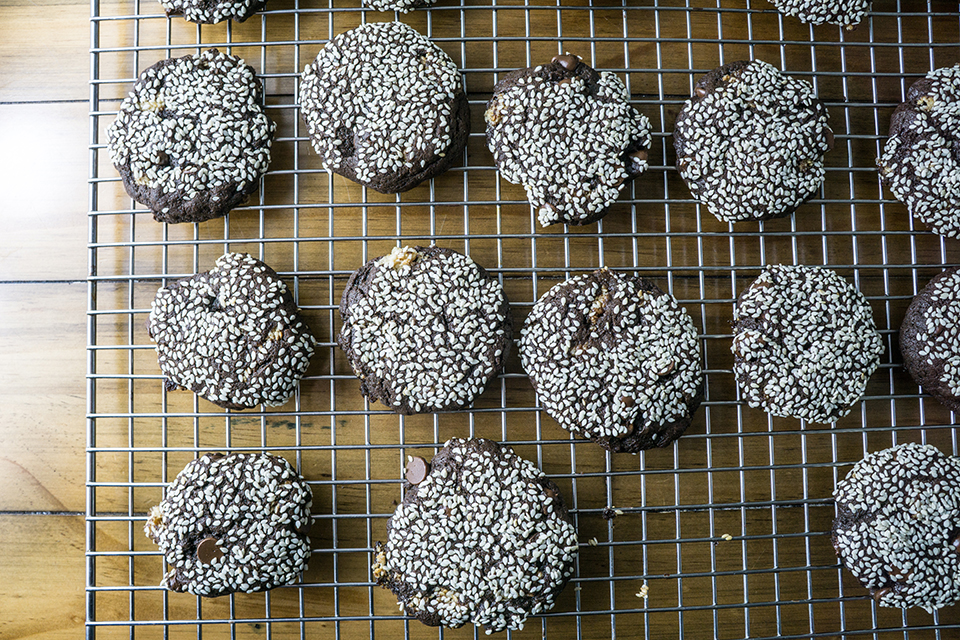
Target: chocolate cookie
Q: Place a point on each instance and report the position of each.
(231, 523)
(192, 140)
(750, 142)
(385, 107)
(481, 536)
(804, 343)
(920, 163)
(232, 335)
(614, 359)
(845, 13)
(898, 526)
(425, 329)
(213, 11)
(568, 135)
(403, 6)
(930, 338)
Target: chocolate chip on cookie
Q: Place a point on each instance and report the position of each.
(424, 328)
(804, 343)
(750, 142)
(614, 359)
(921, 159)
(898, 526)
(385, 107)
(232, 335)
(232, 523)
(192, 140)
(568, 135)
(485, 538)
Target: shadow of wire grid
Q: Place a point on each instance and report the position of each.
(764, 482)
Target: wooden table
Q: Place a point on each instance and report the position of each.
(764, 482)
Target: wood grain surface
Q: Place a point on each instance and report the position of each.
(764, 482)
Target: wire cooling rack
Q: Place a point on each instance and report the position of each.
(725, 532)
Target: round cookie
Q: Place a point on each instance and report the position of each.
(845, 13)
(191, 140)
(424, 328)
(213, 11)
(614, 359)
(920, 164)
(232, 335)
(568, 135)
(385, 107)
(898, 526)
(232, 523)
(750, 142)
(483, 537)
(930, 338)
(804, 343)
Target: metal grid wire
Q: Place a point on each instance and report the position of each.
(727, 528)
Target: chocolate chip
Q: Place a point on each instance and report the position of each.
(160, 158)
(627, 401)
(956, 544)
(567, 61)
(208, 550)
(828, 133)
(667, 370)
(417, 470)
(305, 527)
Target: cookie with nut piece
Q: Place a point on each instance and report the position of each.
(233, 523)
(614, 359)
(233, 335)
(897, 528)
(569, 135)
(920, 163)
(385, 107)
(424, 328)
(481, 537)
(750, 142)
(192, 140)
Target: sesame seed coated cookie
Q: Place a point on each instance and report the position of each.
(568, 135)
(920, 164)
(191, 140)
(385, 107)
(232, 335)
(481, 536)
(614, 359)
(403, 6)
(424, 328)
(845, 13)
(898, 526)
(930, 338)
(213, 11)
(232, 523)
(804, 343)
(750, 142)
